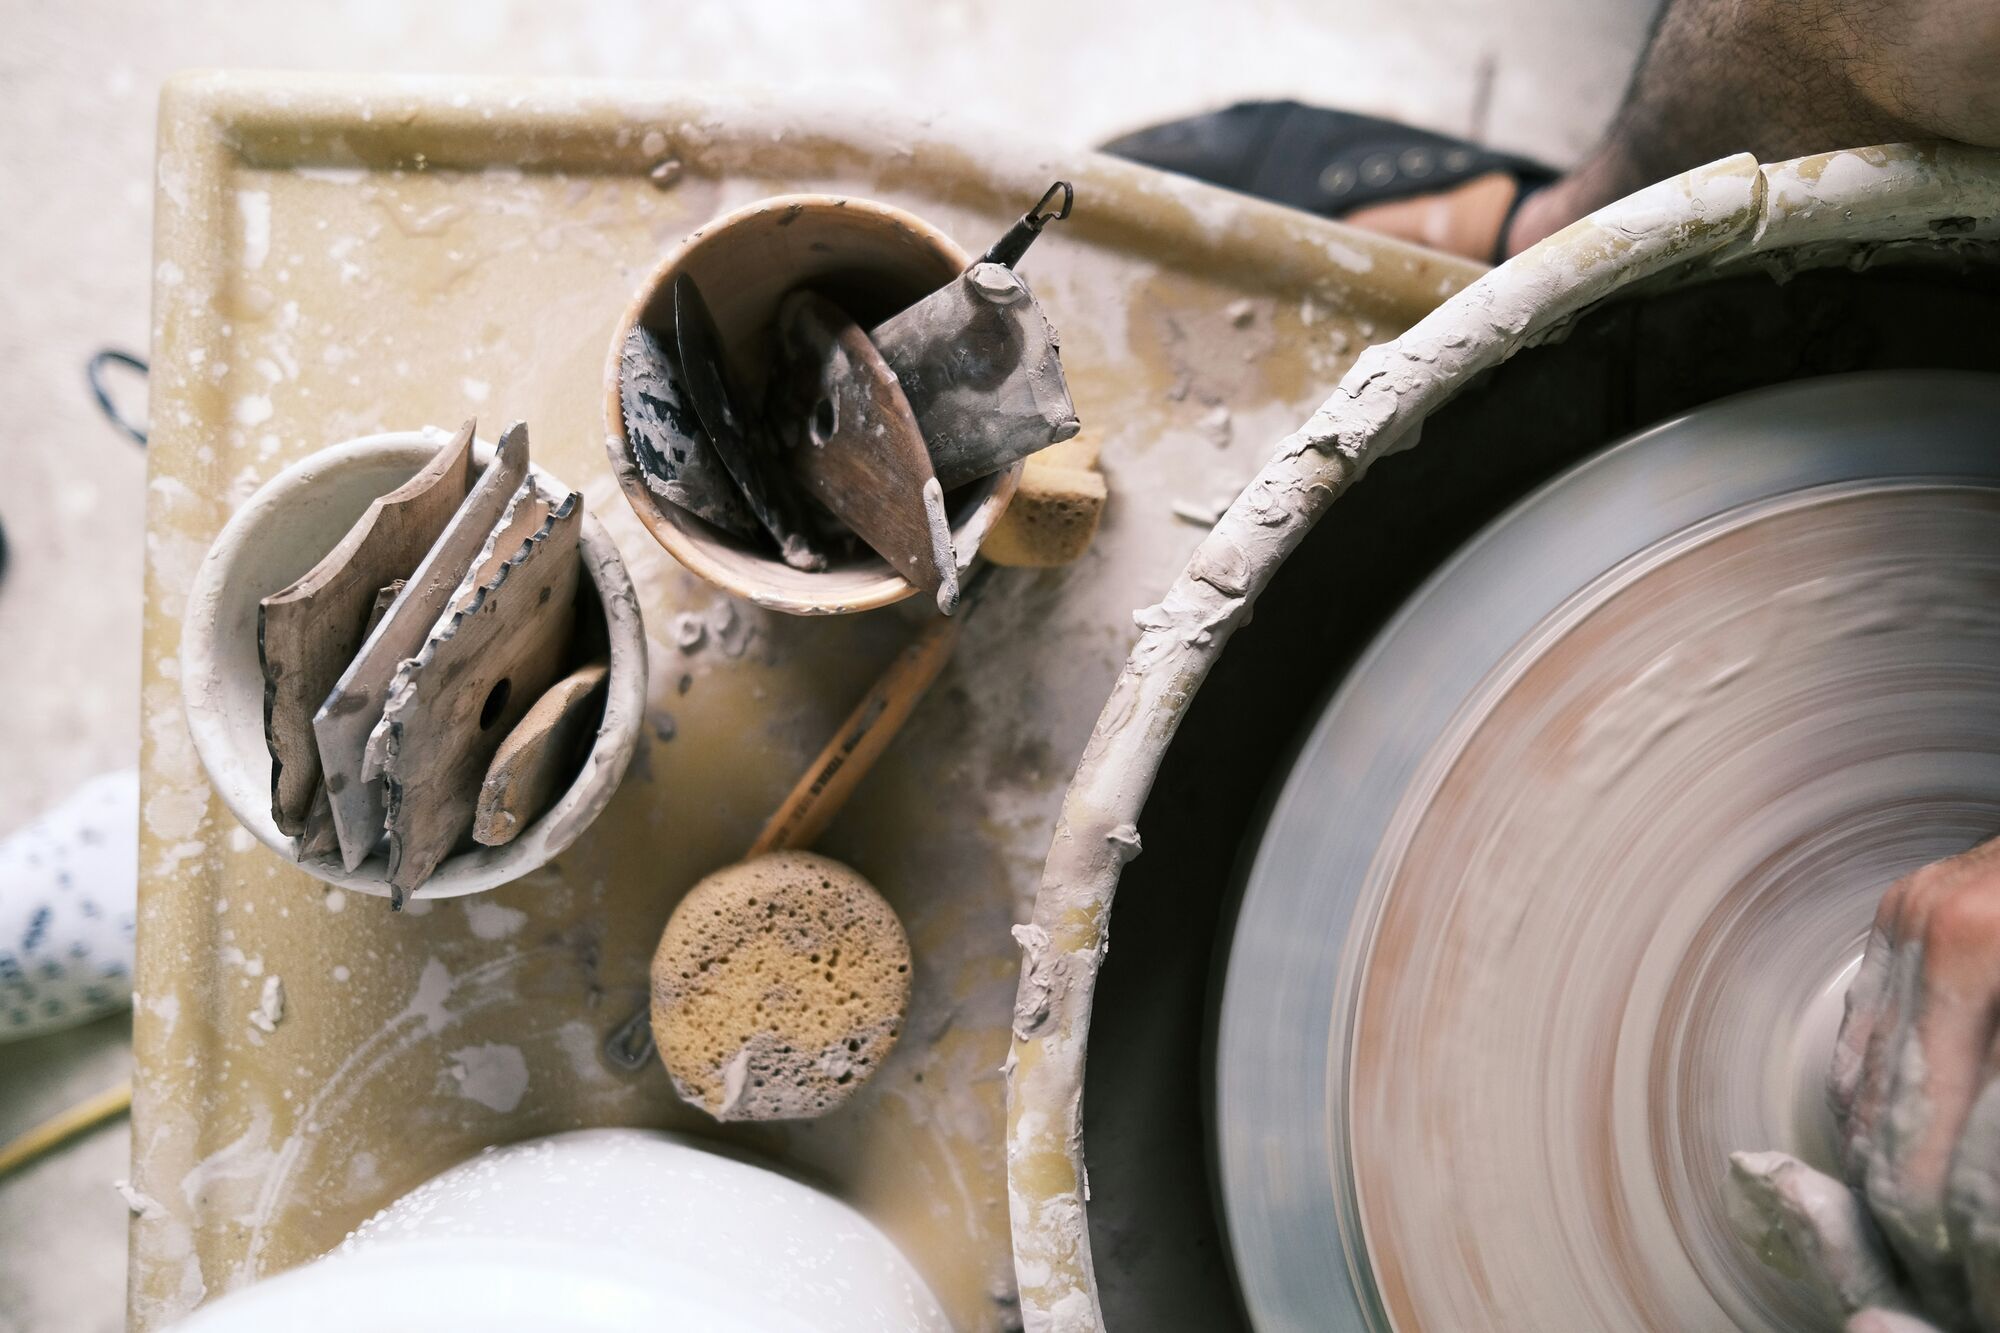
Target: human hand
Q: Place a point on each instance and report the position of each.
(1915, 1090)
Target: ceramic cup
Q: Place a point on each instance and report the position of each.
(873, 260)
(599, 1231)
(279, 534)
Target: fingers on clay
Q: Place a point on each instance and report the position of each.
(1901, 918)
(1809, 1226)
(1935, 1088)
(1861, 1133)
(1972, 1200)
(1935, 1066)
(1858, 1018)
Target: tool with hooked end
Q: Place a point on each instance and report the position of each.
(1617, 792)
(981, 364)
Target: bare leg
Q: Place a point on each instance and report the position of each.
(1780, 78)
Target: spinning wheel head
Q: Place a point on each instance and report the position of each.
(1617, 793)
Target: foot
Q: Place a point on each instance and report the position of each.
(1783, 79)
(1463, 220)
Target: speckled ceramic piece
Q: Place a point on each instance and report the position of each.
(279, 533)
(342, 256)
(880, 258)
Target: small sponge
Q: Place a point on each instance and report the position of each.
(779, 986)
(1054, 514)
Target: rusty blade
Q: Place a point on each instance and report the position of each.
(676, 459)
(764, 485)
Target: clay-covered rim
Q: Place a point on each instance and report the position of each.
(1734, 215)
(767, 580)
(240, 772)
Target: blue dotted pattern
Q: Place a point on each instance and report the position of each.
(68, 886)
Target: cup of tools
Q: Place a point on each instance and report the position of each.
(785, 455)
(237, 681)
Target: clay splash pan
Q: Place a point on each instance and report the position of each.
(340, 256)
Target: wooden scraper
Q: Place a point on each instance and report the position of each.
(488, 662)
(858, 448)
(354, 706)
(310, 631)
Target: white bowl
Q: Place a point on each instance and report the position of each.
(279, 534)
(599, 1231)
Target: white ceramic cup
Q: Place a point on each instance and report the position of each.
(599, 1231)
(279, 534)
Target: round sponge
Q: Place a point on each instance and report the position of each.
(779, 986)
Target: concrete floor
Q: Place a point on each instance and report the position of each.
(78, 84)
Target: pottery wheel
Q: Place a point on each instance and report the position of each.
(1558, 902)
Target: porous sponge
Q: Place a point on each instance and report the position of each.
(1054, 513)
(779, 986)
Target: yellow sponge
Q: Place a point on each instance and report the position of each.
(779, 987)
(1055, 512)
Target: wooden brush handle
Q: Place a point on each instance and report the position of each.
(817, 796)
(60, 1128)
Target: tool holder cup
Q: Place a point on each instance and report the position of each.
(278, 534)
(872, 260)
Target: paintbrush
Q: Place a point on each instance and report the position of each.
(834, 773)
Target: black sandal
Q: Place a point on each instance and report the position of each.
(1325, 162)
